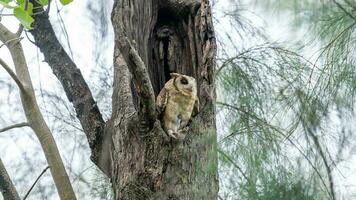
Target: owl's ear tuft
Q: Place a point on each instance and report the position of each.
(173, 75)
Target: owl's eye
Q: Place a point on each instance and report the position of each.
(184, 81)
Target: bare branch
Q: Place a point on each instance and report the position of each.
(35, 118)
(7, 188)
(69, 75)
(13, 75)
(12, 40)
(19, 125)
(33, 185)
(19, 31)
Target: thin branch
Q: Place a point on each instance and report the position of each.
(344, 10)
(234, 164)
(19, 125)
(326, 164)
(19, 31)
(48, 7)
(13, 75)
(33, 185)
(12, 40)
(72, 80)
(351, 4)
(284, 135)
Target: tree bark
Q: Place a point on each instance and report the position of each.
(169, 36)
(7, 188)
(69, 75)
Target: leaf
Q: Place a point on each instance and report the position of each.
(29, 8)
(5, 3)
(25, 19)
(22, 4)
(43, 2)
(65, 2)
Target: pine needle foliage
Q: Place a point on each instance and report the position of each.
(286, 115)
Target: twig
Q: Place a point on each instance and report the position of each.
(7, 42)
(284, 135)
(234, 164)
(350, 4)
(19, 31)
(344, 10)
(326, 164)
(49, 7)
(13, 75)
(33, 185)
(19, 125)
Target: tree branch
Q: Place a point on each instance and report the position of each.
(7, 188)
(35, 118)
(19, 125)
(147, 109)
(33, 185)
(69, 75)
(13, 75)
(14, 39)
(344, 10)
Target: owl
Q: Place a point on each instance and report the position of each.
(177, 103)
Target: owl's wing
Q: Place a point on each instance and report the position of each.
(196, 107)
(161, 100)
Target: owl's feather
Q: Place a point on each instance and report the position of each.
(177, 102)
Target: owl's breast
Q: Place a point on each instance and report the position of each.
(179, 104)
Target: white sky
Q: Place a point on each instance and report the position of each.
(80, 32)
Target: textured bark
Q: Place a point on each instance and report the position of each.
(170, 36)
(7, 188)
(69, 75)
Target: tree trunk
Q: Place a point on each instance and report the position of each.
(169, 36)
(152, 39)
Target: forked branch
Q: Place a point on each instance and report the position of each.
(13, 75)
(35, 118)
(137, 69)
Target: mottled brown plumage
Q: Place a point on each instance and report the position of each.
(177, 102)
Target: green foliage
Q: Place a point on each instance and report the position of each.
(5, 3)
(24, 16)
(23, 9)
(65, 2)
(43, 2)
(281, 105)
